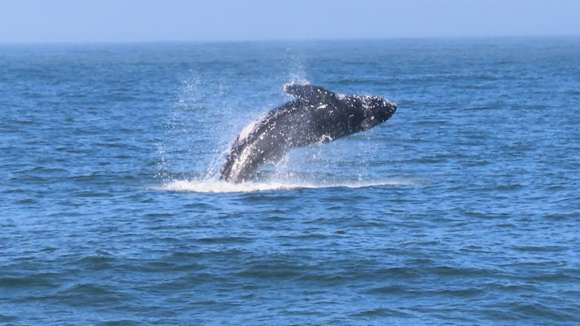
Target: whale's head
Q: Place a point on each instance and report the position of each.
(376, 110)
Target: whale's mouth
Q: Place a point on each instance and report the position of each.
(212, 186)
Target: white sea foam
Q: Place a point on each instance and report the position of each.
(212, 186)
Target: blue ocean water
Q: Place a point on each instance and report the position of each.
(461, 209)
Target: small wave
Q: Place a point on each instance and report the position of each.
(223, 187)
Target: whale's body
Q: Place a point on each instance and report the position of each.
(315, 115)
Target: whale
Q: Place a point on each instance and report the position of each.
(315, 115)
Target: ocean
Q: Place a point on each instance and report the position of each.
(462, 209)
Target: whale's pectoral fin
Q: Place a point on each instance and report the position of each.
(308, 92)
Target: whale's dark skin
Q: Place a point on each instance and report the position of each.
(316, 115)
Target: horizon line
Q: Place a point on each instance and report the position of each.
(297, 39)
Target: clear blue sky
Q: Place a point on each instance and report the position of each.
(208, 20)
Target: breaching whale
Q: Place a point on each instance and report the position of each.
(316, 115)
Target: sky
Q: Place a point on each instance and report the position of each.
(23, 21)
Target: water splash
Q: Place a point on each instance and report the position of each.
(202, 113)
(296, 68)
(214, 186)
